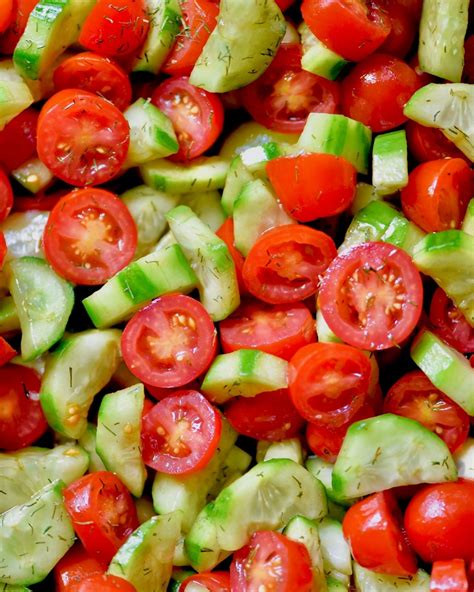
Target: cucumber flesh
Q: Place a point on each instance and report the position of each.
(239, 175)
(207, 206)
(15, 95)
(317, 58)
(371, 581)
(33, 175)
(88, 442)
(9, 320)
(290, 449)
(468, 222)
(464, 459)
(334, 548)
(23, 233)
(203, 174)
(235, 464)
(322, 470)
(251, 134)
(390, 162)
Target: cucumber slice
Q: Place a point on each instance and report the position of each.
(33, 175)
(9, 320)
(118, 440)
(334, 548)
(464, 459)
(323, 471)
(324, 333)
(207, 206)
(203, 174)
(390, 162)
(76, 371)
(44, 302)
(290, 449)
(317, 58)
(365, 194)
(210, 259)
(305, 531)
(146, 558)
(178, 576)
(371, 581)
(144, 508)
(448, 257)
(15, 95)
(468, 222)
(239, 175)
(8, 588)
(235, 464)
(88, 442)
(251, 134)
(447, 369)
(34, 536)
(244, 373)
(23, 233)
(335, 585)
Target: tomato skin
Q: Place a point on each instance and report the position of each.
(429, 143)
(313, 186)
(20, 14)
(6, 350)
(437, 194)
(449, 575)
(226, 233)
(450, 324)
(376, 90)
(6, 196)
(216, 581)
(106, 583)
(3, 249)
(18, 139)
(6, 14)
(374, 532)
(439, 521)
(75, 567)
(402, 31)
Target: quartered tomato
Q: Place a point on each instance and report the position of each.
(169, 342)
(6, 195)
(21, 12)
(403, 29)
(197, 115)
(286, 262)
(106, 583)
(429, 143)
(271, 561)
(76, 566)
(6, 14)
(102, 512)
(18, 139)
(226, 233)
(6, 350)
(372, 296)
(283, 97)
(449, 575)
(450, 324)
(181, 433)
(82, 138)
(89, 236)
(216, 581)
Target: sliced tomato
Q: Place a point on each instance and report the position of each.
(82, 138)
(170, 342)
(286, 262)
(18, 139)
(429, 143)
(102, 512)
(90, 235)
(437, 194)
(373, 528)
(106, 583)
(283, 97)
(96, 74)
(6, 14)
(6, 196)
(352, 28)
(450, 324)
(197, 115)
(449, 576)
(199, 20)
(6, 350)
(11, 36)
(271, 561)
(226, 233)
(181, 433)
(76, 566)
(372, 296)
(22, 420)
(313, 186)
(403, 29)
(3, 249)
(216, 581)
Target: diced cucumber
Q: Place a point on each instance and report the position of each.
(207, 206)
(43, 301)
(244, 373)
(468, 222)
(38, 365)
(146, 558)
(202, 174)
(338, 135)
(447, 369)
(76, 371)
(123, 378)
(33, 175)
(239, 175)
(34, 536)
(323, 471)
(448, 257)
(8, 588)
(389, 451)
(464, 459)
(290, 449)
(144, 508)
(88, 442)
(317, 58)
(9, 320)
(119, 436)
(256, 158)
(211, 261)
(336, 511)
(153, 275)
(235, 464)
(371, 581)
(305, 531)
(334, 548)
(335, 585)
(23, 233)
(390, 162)
(365, 194)
(251, 134)
(178, 576)
(15, 95)
(325, 334)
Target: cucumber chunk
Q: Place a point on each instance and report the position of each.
(389, 451)
(118, 439)
(365, 194)
(324, 333)
(334, 548)
(251, 134)
(239, 175)
(235, 464)
(335, 585)
(371, 581)
(88, 442)
(34, 536)
(390, 162)
(33, 175)
(15, 95)
(144, 508)
(323, 471)
(317, 58)
(464, 459)
(43, 301)
(23, 233)
(290, 448)
(76, 371)
(305, 531)
(9, 320)
(468, 222)
(203, 174)
(8, 588)
(207, 206)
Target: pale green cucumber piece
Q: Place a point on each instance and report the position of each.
(235, 464)
(15, 95)
(76, 371)
(118, 439)
(239, 175)
(145, 509)
(371, 581)
(390, 162)
(251, 134)
(336, 511)
(167, 240)
(447, 369)
(256, 158)
(26, 471)
(122, 377)
(241, 47)
(464, 459)
(448, 257)
(34, 536)
(244, 373)
(365, 194)
(23, 233)
(317, 58)
(324, 333)
(8, 588)
(335, 585)
(33, 175)
(146, 558)
(165, 24)
(9, 320)
(443, 27)
(290, 448)
(88, 442)
(211, 261)
(155, 274)
(202, 174)
(334, 548)
(468, 222)
(178, 575)
(323, 471)
(43, 301)
(39, 364)
(207, 206)
(389, 451)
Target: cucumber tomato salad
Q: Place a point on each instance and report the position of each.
(236, 296)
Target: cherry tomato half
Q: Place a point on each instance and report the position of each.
(6, 350)
(18, 139)
(429, 143)
(106, 583)
(74, 568)
(6, 196)
(403, 29)
(449, 575)
(216, 581)
(450, 324)
(226, 233)
(3, 249)
(6, 14)
(21, 12)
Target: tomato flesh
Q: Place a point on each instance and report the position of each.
(450, 324)
(106, 583)
(18, 139)
(449, 575)
(6, 350)
(216, 581)
(6, 196)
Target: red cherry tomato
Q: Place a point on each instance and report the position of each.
(352, 28)
(6, 350)
(21, 12)
(414, 7)
(284, 4)
(74, 568)
(450, 324)
(90, 235)
(197, 115)
(96, 74)
(181, 433)
(169, 342)
(199, 20)
(415, 397)
(437, 194)
(267, 416)
(429, 143)
(449, 575)
(373, 529)
(21, 418)
(6, 196)
(313, 186)
(468, 72)
(283, 97)
(423, 77)
(82, 138)
(102, 512)
(439, 521)
(115, 28)
(286, 262)
(376, 90)
(42, 201)
(226, 233)
(3, 249)
(18, 140)
(106, 583)
(372, 296)
(402, 31)
(6, 14)
(216, 581)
